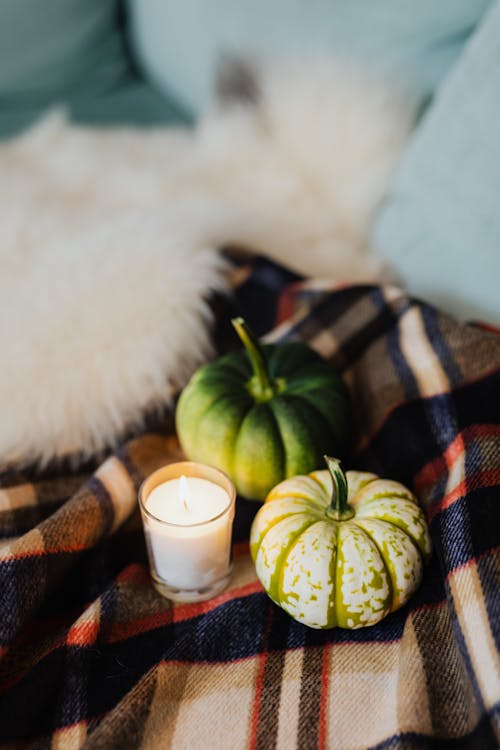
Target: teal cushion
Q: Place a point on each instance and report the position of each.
(135, 102)
(72, 52)
(51, 48)
(440, 227)
(180, 43)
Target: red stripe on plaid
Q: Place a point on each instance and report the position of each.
(83, 634)
(39, 552)
(137, 627)
(468, 564)
(176, 613)
(426, 608)
(489, 327)
(241, 548)
(186, 611)
(133, 573)
(41, 627)
(287, 302)
(123, 630)
(259, 684)
(238, 550)
(182, 612)
(478, 480)
(366, 440)
(432, 472)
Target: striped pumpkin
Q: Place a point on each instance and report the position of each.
(335, 549)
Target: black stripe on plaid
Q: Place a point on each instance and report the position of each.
(483, 737)
(310, 699)
(275, 634)
(488, 567)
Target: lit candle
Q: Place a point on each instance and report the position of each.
(187, 512)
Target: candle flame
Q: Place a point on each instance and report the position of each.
(184, 493)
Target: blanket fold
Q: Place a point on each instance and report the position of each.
(91, 656)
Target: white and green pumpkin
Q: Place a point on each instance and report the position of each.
(335, 549)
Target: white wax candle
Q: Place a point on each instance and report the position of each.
(190, 535)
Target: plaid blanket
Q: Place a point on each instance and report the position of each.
(91, 656)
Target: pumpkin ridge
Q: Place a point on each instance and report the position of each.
(332, 618)
(283, 558)
(276, 521)
(384, 563)
(340, 406)
(317, 414)
(340, 604)
(409, 538)
(246, 442)
(221, 378)
(236, 368)
(314, 388)
(215, 402)
(228, 362)
(389, 523)
(277, 430)
(302, 496)
(304, 381)
(360, 484)
(276, 583)
(398, 523)
(295, 417)
(298, 356)
(234, 454)
(400, 495)
(389, 496)
(214, 372)
(211, 404)
(322, 486)
(186, 399)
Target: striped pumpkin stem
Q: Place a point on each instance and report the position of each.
(339, 509)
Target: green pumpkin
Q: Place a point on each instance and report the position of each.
(335, 549)
(264, 414)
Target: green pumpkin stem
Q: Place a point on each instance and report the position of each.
(339, 509)
(261, 386)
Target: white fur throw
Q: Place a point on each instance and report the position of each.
(108, 242)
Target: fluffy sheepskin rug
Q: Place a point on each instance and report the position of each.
(108, 241)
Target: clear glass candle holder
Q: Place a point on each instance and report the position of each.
(188, 539)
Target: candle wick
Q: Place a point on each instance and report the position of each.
(184, 492)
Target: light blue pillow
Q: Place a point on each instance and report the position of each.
(180, 43)
(440, 227)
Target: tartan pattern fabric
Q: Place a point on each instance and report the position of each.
(92, 657)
